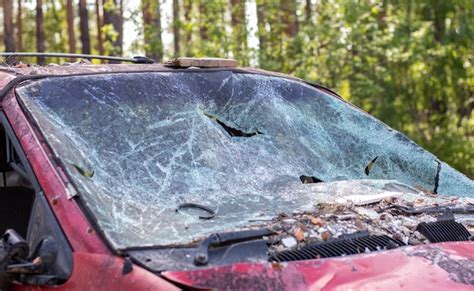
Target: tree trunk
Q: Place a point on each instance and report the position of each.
(70, 27)
(120, 28)
(39, 30)
(202, 17)
(147, 24)
(237, 12)
(308, 12)
(158, 42)
(9, 37)
(100, 40)
(289, 19)
(113, 16)
(439, 22)
(176, 26)
(188, 6)
(239, 31)
(19, 27)
(84, 27)
(147, 19)
(152, 29)
(261, 24)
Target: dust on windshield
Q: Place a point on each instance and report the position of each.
(138, 145)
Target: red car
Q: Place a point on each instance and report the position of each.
(201, 175)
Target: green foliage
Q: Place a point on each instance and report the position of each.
(110, 36)
(214, 39)
(409, 63)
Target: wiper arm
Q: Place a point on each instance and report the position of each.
(220, 239)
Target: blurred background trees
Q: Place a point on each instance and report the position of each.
(409, 63)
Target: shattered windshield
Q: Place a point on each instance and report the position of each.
(139, 145)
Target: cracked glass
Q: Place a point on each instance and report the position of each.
(138, 145)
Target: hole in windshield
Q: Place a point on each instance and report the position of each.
(436, 182)
(230, 130)
(309, 179)
(370, 165)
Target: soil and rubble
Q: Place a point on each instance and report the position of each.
(383, 217)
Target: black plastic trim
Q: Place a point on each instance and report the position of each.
(351, 244)
(444, 230)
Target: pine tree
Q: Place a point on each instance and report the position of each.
(188, 26)
(19, 26)
(176, 27)
(40, 47)
(9, 36)
(289, 17)
(70, 26)
(113, 24)
(99, 24)
(239, 31)
(152, 29)
(84, 27)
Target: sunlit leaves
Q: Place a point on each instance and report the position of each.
(408, 63)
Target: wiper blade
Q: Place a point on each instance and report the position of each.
(220, 239)
(211, 212)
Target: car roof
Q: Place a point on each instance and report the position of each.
(80, 68)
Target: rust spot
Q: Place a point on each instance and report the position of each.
(277, 266)
(55, 201)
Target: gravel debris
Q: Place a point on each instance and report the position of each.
(332, 220)
(289, 242)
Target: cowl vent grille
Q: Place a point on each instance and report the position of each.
(441, 231)
(346, 245)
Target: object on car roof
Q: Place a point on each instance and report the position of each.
(186, 62)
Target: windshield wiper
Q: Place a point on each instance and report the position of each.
(221, 239)
(211, 212)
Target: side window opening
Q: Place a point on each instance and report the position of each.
(24, 208)
(16, 192)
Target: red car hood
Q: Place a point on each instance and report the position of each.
(439, 266)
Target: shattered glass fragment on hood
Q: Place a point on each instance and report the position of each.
(234, 142)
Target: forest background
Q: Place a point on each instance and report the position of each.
(409, 63)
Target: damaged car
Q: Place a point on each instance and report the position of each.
(198, 174)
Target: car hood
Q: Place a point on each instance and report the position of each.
(440, 266)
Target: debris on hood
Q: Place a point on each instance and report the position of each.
(289, 242)
(393, 213)
(368, 199)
